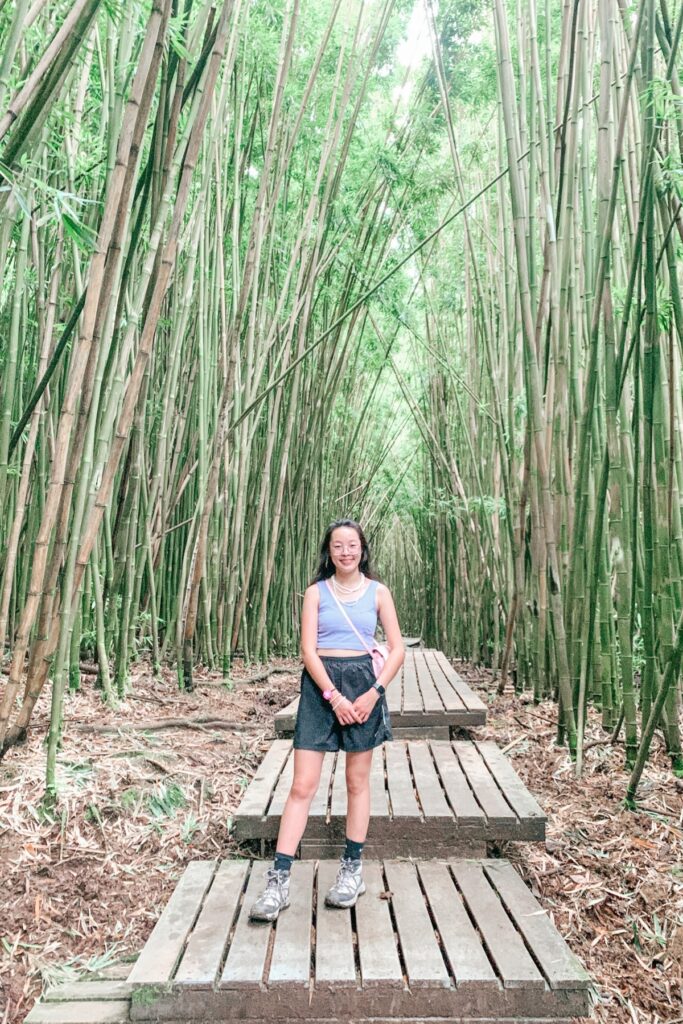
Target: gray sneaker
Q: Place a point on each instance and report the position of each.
(274, 898)
(348, 886)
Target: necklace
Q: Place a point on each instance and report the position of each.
(343, 589)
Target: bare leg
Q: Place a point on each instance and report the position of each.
(358, 790)
(307, 767)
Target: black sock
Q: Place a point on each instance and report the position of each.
(283, 862)
(353, 850)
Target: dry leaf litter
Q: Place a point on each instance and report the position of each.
(82, 888)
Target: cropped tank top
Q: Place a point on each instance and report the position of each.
(334, 632)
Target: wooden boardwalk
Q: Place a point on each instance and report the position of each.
(427, 699)
(461, 939)
(429, 798)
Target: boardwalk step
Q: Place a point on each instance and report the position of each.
(428, 798)
(428, 694)
(468, 936)
(112, 1011)
(82, 990)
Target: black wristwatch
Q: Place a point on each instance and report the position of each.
(380, 689)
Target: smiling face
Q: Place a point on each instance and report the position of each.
(345, 549)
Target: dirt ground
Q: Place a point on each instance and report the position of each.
(81, 888)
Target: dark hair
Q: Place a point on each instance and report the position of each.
(326, 565)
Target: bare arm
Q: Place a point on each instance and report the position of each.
(309, 639)
(387, 616)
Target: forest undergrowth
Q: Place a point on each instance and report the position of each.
(82, 888)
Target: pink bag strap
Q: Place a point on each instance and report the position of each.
(346, 616)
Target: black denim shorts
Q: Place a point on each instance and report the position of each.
(317, 727)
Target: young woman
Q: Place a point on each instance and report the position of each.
(342, 706)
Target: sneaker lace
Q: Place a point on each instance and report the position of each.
(346, 876)
(274, 881)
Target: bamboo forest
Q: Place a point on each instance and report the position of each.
(268, 264)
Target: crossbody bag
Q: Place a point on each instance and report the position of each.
(379, 652)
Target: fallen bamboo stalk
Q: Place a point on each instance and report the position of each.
(200, 722)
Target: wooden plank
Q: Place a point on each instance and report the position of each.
(431, 698)
(460, 797)
(98, 988)
(395, 692)
(282, 788)
(560, 966)
(421, 954)
(468, 960)
(161, 952)
(412, 698)
(257, 796)
(321, 800)
(502, 939)
(400, 784)
(115, 970)
(452, 701)
(338, 799)
(421, 732)
(114, 1011)
(514, 790)
(291, 960)
(334, 960)
(379, 798)
(469, 698)
(204, 951)
(379, 963)
(285, 718)
(496, 808)
(427, 782)
(249, 946)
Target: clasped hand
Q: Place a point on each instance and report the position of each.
(359, 710)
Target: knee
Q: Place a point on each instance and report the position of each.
(357, 784)
(304, 788)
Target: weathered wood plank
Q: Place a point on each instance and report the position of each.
(516, 793)
(282, 788)
(156, 963)
(503, 941)
(334, 962)
(421, 732)
(496, 808)
(412, 698)
(452, 701)
(429, 790)
(285, 718)
(86, 1012)
(431, 697)
(421, 953)
(256, 799)
(249, 947)
(560, 966)
(401, 792)
(460, 796)
(469, 698)
(102, 988)
(204, 951)
(468, 960)
(395, 694)
(291, 959)
(379, 963)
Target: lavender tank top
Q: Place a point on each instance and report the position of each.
(334, 632)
